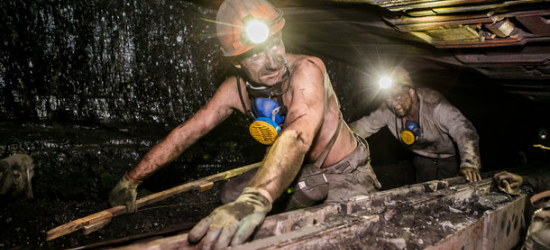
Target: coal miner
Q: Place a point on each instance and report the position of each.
(293, 108)
(538, 234)
(428, 125)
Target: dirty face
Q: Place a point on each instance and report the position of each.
(265, 64)
(399, 101)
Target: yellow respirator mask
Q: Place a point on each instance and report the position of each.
(410, 135)
(265, 127)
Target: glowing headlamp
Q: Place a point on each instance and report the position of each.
(257, 31)
(385, 82)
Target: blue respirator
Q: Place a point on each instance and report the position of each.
(265, 127)
(410, 135)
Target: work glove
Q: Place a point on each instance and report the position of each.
(233, 223)
(508, 182)
(124, 193)
(471, 174)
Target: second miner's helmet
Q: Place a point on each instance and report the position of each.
(397, 75)
(241, 24)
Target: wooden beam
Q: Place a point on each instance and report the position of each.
(98, 220)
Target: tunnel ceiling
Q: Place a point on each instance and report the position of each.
(508, 41)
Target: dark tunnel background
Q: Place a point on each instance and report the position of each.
(88, 87)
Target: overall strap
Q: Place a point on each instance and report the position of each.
(322, 157)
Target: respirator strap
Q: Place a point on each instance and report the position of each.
(248, 112)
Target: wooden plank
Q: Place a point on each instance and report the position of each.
(88, 229)
(100, 219)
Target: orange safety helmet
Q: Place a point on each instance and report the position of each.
(231, 18)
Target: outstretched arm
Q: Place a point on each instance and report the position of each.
(368, 125)
(465, 135)
(215, 111)
(182, 137)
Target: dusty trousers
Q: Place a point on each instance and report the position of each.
(428, 169)
(352, 176)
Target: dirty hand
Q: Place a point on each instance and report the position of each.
(124, 193)
(508, 182)
(232, 223)
(471, 174)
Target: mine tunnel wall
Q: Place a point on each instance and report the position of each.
(87, 88)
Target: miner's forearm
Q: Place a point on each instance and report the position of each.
(464, 134)
(468, 147)
(166, 151)
(281, 165)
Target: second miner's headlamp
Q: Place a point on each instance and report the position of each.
(385, 82)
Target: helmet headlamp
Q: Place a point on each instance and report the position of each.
(385, 82)
(257, 31)
(237, 24)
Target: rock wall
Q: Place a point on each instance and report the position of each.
(88, 87)
(101, 60)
